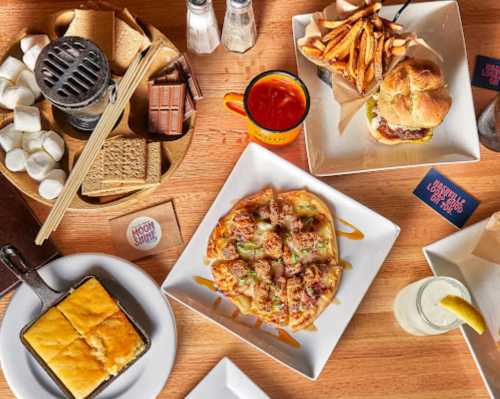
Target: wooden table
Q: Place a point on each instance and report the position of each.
(374, 358)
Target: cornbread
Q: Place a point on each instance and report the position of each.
(88, 306)
(79, 370)
(115, 342)
(50, 334)
(86, 339)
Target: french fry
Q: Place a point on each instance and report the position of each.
(317, 43)
(361, 67)
(371, 9)
(312, 51)
(339, 66)
(353, 58)
(335, 33)
(370, 43)
(333, 42)
(392, 26)
(377, 22)
(341, 50)
(370, 74)
(388, 45)
(378, 59)
(398, 42)
(398, 51)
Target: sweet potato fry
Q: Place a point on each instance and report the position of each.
(370, 74)
(353, 58)
(335, 33)
(371, 9)
(312, 51)
(361, 67)
(378, 59)
(341, 50)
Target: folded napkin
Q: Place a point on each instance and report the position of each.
(488, 247)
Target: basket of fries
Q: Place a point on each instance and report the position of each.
(358, 47)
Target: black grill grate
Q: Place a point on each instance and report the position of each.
(72, 72)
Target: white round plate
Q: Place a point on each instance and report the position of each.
(137, 293)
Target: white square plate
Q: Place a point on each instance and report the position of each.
(226, 381)
(455, 140)
(306, 352)
(452, 257)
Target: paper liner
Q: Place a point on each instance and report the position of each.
(344, 92)
(488, 247)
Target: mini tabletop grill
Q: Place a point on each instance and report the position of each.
(74, 75)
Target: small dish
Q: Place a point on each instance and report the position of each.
(364, 238)
(226, 381)
(452, 257)
(455, 140)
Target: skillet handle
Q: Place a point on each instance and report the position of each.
(10, 257)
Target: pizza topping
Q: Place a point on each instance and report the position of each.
(263, 269)
(244, 226)
(273, 245)
(278, 269)
(229, 252)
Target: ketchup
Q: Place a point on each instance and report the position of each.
(276, 103)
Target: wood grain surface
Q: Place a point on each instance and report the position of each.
(374, 358)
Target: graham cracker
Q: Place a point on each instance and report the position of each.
(96, 26)
(94, 186)
(128, 43)
(125, 160)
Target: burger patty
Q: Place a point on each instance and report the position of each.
(400, 132)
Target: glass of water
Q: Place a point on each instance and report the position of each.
(489, 126)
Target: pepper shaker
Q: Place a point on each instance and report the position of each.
(203, 35)
(239, 32)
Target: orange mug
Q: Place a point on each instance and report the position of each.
(275, 103)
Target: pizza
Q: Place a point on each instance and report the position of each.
(275, 256)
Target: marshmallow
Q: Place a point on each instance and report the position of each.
(53, 144)
(52, 185)
(39, 164)
(10, 138)
(11, 68)
(15, 160)
(27, 79)
(4, 85)
(14, 96)
(30, 56)
(30, 40)
(32, 141)
(27, 119)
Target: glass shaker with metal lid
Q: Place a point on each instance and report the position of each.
(239, 32)
(203, 35)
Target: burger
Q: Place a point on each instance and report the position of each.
(412, 100)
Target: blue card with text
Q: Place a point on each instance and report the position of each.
(446, 198)
(487, 73)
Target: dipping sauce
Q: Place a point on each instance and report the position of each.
(276, 102)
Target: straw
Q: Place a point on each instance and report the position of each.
(126, 89)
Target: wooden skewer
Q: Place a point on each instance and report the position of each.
(127, 86)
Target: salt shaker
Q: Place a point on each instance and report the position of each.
(203, 34)
(239, 32)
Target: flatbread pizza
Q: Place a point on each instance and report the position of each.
(275, 256)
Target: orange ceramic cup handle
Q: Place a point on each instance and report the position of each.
(234, 103)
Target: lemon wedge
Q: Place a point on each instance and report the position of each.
(464, 311)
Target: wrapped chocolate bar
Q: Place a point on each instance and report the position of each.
(488, 247)
(359, 47)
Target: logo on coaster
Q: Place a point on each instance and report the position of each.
(446, 198)
(144, 233)
(487, 73)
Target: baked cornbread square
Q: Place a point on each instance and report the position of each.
(115, 342)
(79, 370)
(87, 306)
(50, 334)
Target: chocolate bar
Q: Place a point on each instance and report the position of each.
(166, 107)
(19, 228)
(192, 82)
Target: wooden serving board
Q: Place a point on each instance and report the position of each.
(133, 121)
